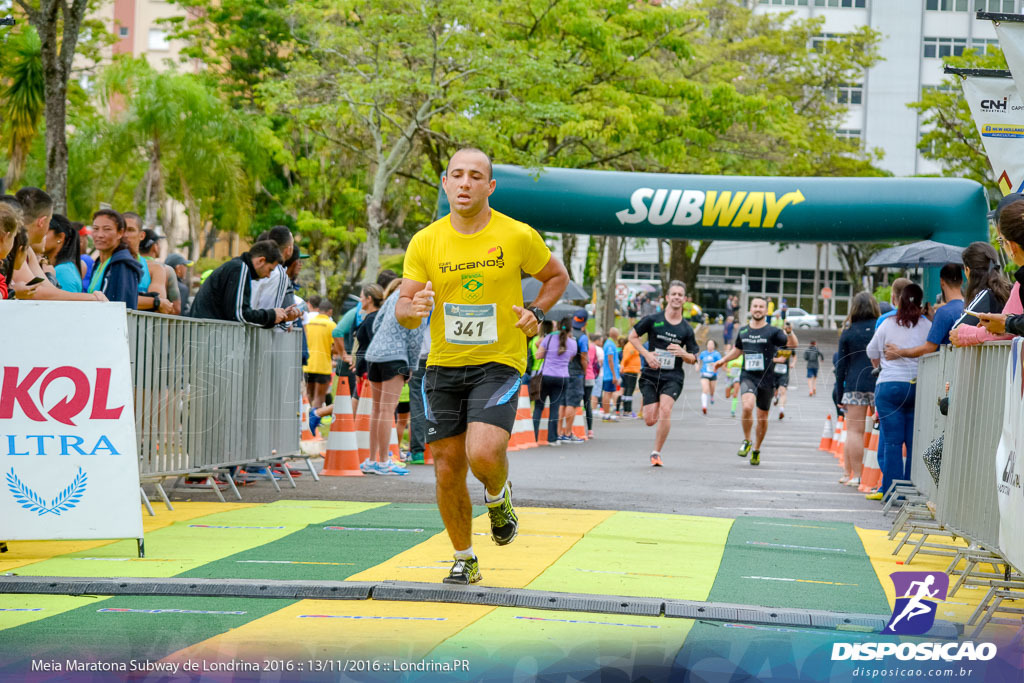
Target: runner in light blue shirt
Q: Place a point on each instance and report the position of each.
(708, 375)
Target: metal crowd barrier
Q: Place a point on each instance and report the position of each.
(211, 395)
(964, 504)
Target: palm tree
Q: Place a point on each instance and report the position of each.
(22, 99)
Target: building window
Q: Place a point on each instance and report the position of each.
(946, 5)
(789, 3)
(943, 88)
(1006, 6)
(123, 31)
(852, 134)
(850, 94)
(944, 47)
(640, 271)
(818, 41)
(158, 40)
(984, 45)
(840, 3)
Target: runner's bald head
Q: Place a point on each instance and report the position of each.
(467, 153)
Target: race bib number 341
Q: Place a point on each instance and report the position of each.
(471, 324)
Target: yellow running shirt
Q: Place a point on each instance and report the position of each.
(476, 282)
(318, 339)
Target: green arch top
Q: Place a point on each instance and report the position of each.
(786, 209)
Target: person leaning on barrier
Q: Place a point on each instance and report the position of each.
(34, 208)
(226, 293)
(117, 273)
(180, 265)
(987, 291)
(1010, 227)
(946, 316)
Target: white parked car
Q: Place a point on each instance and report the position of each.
(798, 317)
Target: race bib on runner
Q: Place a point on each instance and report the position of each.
(753, 362)
(471, 324)
(781, 368)
(666, 361)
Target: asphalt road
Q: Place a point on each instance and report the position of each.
(702, 474)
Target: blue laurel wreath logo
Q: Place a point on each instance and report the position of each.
(33, 502)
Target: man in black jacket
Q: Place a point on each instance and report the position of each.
(225, 294)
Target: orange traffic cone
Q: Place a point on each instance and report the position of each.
(342, 456)
(579, 425)
(839, 438)
(428, 457)
(522, 431)
(363, 425)
(871, 474)
(826, 435)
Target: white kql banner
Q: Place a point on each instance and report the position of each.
(69, 466)
(1010, 460)
(998, 112)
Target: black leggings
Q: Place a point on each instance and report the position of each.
(552, 389)
(628, 388)
(588, 391)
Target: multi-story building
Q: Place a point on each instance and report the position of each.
(915, 36)
(136, 25)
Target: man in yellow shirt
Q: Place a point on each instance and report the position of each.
(463, 272)
(318, 339)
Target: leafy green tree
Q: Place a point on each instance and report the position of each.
(22, 98)
(191, 144)
(951, 138)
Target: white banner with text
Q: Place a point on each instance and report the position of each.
(998, 112)
(69, 466)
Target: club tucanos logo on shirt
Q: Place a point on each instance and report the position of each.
(472, 287)
(495, 259)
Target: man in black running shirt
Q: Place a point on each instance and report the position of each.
(671, 342)
(759, 343)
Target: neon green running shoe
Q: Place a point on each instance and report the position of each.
(504, 522)
(464, 572)
(744, 448)
(755, 458)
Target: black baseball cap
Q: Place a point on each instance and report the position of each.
(149, 239)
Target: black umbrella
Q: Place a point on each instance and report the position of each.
(917, 255)
(531, 287)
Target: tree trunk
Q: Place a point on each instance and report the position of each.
(154, 187)
(192, 211)
(685, 264)
(16, 166)
(605, 309)
(662, 266)
(568, 249)
(56, 69)
(210, 243)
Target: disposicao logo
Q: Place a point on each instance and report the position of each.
(692, 207)
(914, 613)
(918, 595)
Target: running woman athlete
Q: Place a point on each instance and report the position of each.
(465, 268)
(672, 342)
(759, 343)
(708, 374)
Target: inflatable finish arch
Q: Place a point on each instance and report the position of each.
(767, 209)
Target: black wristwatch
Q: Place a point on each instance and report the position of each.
(156, 301)
(538, 313)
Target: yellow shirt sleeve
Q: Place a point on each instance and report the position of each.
(535, 253)
(413, 267)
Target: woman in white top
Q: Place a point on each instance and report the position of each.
(894, 390)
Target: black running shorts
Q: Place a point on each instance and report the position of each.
(655, 385)
(763, 389)
(781, 380)
(382, 372)
(454, 397)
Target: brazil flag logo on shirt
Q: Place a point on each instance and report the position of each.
(472, 287)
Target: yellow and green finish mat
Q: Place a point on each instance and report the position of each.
(751, 561)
